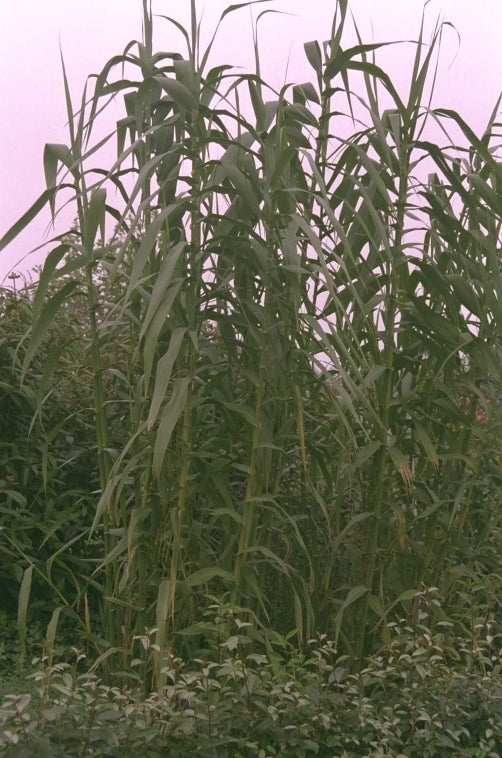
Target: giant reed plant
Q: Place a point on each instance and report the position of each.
(302, 421)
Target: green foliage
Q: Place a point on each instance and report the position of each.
(46, 456)
(286, 359)
(427, 694)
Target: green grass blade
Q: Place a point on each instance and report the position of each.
(168, 420)
(22, 609)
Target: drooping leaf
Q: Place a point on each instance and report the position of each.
(168, 420)
(163, 375)
(22, 609)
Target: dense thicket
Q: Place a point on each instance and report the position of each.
(289, 353)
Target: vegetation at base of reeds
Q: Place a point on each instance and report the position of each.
(277, 384)
(428, 694)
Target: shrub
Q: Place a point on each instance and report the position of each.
(428, 694)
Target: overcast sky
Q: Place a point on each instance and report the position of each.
(32, 106)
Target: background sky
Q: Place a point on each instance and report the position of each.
(32, 104)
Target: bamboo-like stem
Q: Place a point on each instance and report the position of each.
(255, 481)
(194, 273)
(379, 484)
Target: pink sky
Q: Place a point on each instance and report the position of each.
(32, 107)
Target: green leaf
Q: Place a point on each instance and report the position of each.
(94, 219)
(179, 93)
(314, 57)
(345, 533)
(50, 636)
(162, 608)
(46, 197)
(366, 453)
(242, 184)
(54, 155)
(283, 161)
(168, 420)
(372, 70)
(376, 606)
(237, 6)
(149, 241)
(15, 496)
(43, 323)
(118, 550)
(163, 375)
(305, 91)
(157, 324)
(297, 114)
(258, 105)
(162, 282)
(200, 627)
(404, 597)
(205, 575)
(354, 594)
(186, 75)
(47, 276)
(342, 58)
(22, 608)
(437, 327)
(488, 194)
(427, 444)
(243, 410)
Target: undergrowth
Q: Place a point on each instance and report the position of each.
(427, 694)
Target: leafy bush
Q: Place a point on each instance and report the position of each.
(428, 694)
(47, 459)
